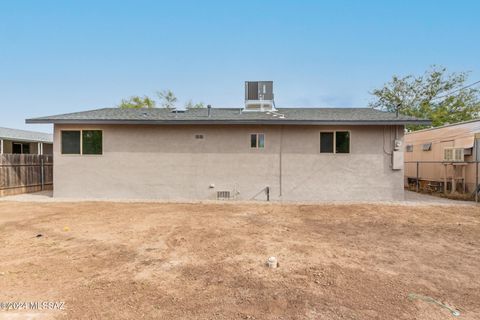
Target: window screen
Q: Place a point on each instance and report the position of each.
(342, 142)
(261, 140)
(70, 142)
(326, 142)
(92, 142)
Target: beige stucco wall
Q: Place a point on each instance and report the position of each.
(167, 162)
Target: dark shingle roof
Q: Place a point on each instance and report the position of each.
(233, 116)
(23, 135)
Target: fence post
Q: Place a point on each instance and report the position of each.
(418, 182)
(42, 172)
(267, 191)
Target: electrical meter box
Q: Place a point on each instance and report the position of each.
(397, 160)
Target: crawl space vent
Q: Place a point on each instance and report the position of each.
(223, 195)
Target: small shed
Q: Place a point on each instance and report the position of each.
(425, 152)
(15, 141)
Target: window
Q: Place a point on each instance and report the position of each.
(342, 142)
(409, 148)
(91, 142)
(20, 148)
(257, 140)
(326, 142)
(335, 142)
(70, 142)
(16, 148)
(427, 146)
(199, 136)
(82, 142)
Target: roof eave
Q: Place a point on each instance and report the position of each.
(14, 139)
(243, 121)
(235, 122)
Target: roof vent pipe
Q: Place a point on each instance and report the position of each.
(209, 108)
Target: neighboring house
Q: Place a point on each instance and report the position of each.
(444, 153)
(25, 142)
(301, 154)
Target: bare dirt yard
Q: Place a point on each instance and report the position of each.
(207, 261)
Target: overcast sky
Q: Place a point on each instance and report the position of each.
(65, 56)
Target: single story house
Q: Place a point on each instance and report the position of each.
(300, 154)
(16, 141)
(446, 157)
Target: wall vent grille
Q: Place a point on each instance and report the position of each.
(223, 195)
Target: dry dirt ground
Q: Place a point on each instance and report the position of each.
(207, 261)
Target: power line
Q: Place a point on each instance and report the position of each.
(456, 90)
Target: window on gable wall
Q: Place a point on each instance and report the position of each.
(326, 142)
(342, 142)
(87, 142)
(335, 142)
(91, 142)
(257, 140)
(71, 142)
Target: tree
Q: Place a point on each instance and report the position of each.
(136, 102)
(443, 98)
(190, 105)
(167, 98)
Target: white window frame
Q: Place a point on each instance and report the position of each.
(335, 142)
(81, 143)
(257, 134)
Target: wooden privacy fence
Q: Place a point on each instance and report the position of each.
(22, 173)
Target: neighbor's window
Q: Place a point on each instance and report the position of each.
(91, 142)
(326, 142)
(71, 142)
(20, 148)
(16, 148)
(427, 146)
(257, 140)
(335, 142)
(409, 148)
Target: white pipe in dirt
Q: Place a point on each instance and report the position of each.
(272, 262)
